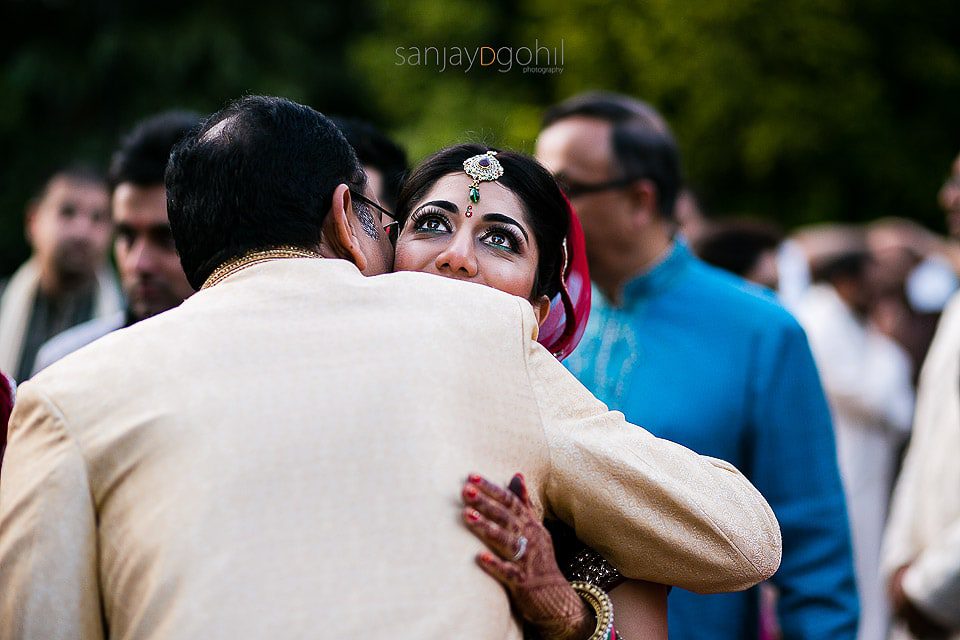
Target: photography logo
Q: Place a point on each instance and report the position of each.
(539, 59)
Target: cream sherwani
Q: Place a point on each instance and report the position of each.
(924, 527)
(281, 456)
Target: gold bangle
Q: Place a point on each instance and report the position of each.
(602, 607)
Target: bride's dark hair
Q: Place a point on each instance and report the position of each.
(545, 206)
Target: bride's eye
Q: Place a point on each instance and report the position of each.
(431, 222)
(502, 238)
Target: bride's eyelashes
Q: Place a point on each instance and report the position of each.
(511, 239)
(430, 220)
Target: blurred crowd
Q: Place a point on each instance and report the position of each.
(870, 298)
(905, 272)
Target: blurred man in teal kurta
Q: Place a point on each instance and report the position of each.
(705, 359)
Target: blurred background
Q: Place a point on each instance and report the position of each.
(794, 111)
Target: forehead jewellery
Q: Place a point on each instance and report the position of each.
(482, 168)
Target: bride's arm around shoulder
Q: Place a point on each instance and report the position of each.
(656, 510)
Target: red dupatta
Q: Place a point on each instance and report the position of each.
(570, 308)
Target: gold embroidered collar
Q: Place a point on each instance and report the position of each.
(231, 267)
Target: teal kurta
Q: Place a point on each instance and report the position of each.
(712, 362)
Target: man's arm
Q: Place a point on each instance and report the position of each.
(656, 510)
(795, 467)
(48, 546)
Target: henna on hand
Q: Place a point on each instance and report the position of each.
(538, 589)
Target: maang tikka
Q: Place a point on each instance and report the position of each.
(482, 168)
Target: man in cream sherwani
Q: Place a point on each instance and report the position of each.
(281, 455)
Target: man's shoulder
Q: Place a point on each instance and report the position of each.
(426, 285)
(407, 303)
(337, 286)
(725, 296)
(445, 297)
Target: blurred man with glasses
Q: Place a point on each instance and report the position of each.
(702, 358)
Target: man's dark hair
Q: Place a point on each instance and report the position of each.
(643, 146)
(259, 173)
(74, 172)
(142, 156)
(538, 192)
(737, 245)
(377, 150)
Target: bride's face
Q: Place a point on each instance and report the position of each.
(495, 246)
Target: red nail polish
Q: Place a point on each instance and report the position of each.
(470, 492)
(473, 516)
(474, 478)
(486, 557)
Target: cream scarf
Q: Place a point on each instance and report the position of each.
(16, 306)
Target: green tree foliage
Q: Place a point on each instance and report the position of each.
(797, 110)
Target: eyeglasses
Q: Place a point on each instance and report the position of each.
(574, 189)
(392, 229)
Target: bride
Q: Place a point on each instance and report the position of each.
(500, 220)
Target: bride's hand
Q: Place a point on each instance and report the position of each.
(521, 558)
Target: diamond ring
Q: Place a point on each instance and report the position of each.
(521, 548)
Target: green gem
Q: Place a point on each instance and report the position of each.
(474, 194)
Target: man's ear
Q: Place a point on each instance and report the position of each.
(541, 309)
(338, 238)
(645, 200)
